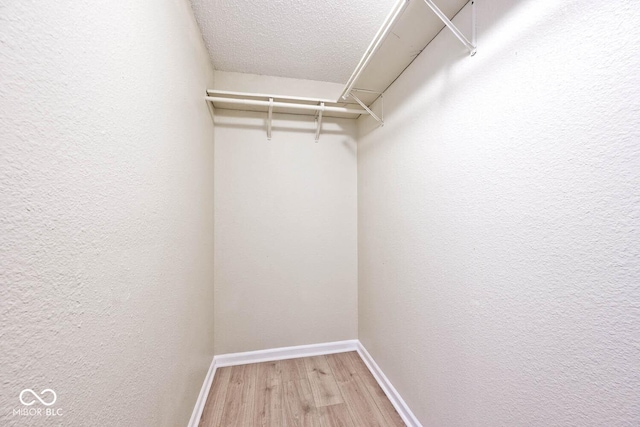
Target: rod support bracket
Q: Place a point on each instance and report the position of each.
(471, 45)
(319, 121)
(270, 115)
(367, 109)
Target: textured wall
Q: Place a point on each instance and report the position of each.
(499, 221)
(106, 211)
(285, 218)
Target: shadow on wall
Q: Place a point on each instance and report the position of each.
(445, 71)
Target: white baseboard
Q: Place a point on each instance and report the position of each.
(396, 400)
(202, 397)
(258, 356)
(233, 359)
(282, 353)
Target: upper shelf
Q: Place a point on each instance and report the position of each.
(407, 30)
(248, 101)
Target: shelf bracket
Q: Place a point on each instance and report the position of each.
(471, 45)
(269, 119)
(319, 121)
(367, 109)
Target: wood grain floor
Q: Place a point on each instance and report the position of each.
(325, 391)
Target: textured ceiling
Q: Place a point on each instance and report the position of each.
(316, 40)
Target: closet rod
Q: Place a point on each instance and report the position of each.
(215, 92)
(284, 105)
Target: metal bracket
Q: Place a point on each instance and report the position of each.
(367, 109)
(471, 45)
(319, 121)
(269, 119)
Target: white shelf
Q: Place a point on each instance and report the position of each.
(407, 30)
(414, 27)
(235, 101)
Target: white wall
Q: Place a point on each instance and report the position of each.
(499, 221)
(272, 85)
(106, 207)
(285, 232)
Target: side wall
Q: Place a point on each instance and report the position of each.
(106, 211)
(286, 260)
(499, 221)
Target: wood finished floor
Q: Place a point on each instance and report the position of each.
(323, 391)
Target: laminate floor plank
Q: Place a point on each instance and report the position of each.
(268, 410)
(291, 370)
(239, 405)
(342, 366)
(299, 407)
(323, 384)
(389, 413)
(391, 416)
(335, 416)
(322, 391)
(212, 413)
(268, 374)
(361, 405)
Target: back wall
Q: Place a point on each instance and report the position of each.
(285, 232)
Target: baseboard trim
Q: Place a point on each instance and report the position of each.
(282, 353)
(396, 400)
(258, 356)
(202, 397)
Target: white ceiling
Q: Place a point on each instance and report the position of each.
(315, 40)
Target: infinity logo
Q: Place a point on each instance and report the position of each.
(33, 393)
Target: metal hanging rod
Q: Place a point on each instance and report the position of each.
(319, 105)
(277, 104)
(216, 92)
